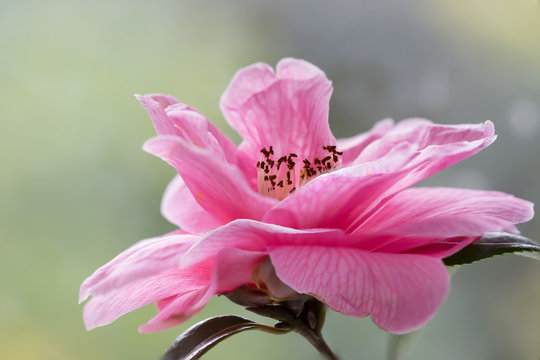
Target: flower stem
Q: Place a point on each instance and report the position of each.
(318, 342)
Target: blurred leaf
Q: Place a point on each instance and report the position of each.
(400, 347)
(201, 337)
(492, 244)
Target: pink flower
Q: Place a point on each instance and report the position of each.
(337, 219)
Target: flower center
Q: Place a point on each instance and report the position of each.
(281, 177)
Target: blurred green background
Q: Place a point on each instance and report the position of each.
(76, 188)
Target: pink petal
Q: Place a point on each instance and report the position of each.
(336, 199)
(178, 310)
(262, 237)
(353, 146)
(190, 283)
(245, 163)
(434, 246)
(287, 110)
(402, 292)
(170, 117)
(155, 105)
(180, 208)
(461, 140)
(151, 274)
(441, 248)
(218, 186)
(448, 212)
(385, 167)
(142, 260)
(439, 147)
(254, 236)
(233, 268)
(246, 82)
(164, 100)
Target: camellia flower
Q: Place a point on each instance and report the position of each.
(292, 210)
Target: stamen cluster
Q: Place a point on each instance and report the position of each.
(279, 178)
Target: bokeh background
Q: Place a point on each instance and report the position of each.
(76, 188)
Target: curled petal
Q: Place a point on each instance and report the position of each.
(170, 117)
(155, 105)
(461, 141)
(402, 292)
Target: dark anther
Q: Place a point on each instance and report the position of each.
(272, 180)
(270, 162)
(306, 161)
(281, 160)
(289, 182)
(335, 158)
(330, 148)
(317, 161)
(325, 159)
(271, 151)
(266, 169)
(290, 162)
(265, 177)
(292, 190)
(280, 183)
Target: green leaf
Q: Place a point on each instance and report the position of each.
(201, 337)
(492, 244)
